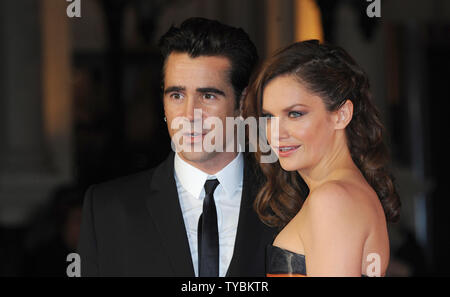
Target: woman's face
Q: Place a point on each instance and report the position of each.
(306, 128)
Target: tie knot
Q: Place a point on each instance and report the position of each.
(210, 186)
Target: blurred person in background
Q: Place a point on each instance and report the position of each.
(54, 233)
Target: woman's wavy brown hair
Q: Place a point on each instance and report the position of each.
(331, 73)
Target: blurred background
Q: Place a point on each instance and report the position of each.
(80, 103)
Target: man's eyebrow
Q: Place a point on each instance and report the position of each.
(210, 90)
(174, 89)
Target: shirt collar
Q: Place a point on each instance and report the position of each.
(193, 179)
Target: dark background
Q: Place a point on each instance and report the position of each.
(80, 103)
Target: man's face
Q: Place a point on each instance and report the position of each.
(200, 83)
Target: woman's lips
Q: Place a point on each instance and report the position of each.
(285, 151)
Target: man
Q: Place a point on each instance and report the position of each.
(192, 215)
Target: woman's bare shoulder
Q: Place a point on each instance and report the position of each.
(332, 194)
(339, 202)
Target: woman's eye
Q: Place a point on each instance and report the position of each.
(267, 115)
(295, 114)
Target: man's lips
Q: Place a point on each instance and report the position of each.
(193, 137)
(194, 133)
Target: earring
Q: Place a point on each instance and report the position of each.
(165, 119)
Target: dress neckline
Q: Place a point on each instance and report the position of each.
(287, 251)
(301, 256)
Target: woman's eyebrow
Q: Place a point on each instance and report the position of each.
(294, 105)
(287, 108)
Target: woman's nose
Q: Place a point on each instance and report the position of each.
(283, 131)
(277, 130)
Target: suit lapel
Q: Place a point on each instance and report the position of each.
(164, 207)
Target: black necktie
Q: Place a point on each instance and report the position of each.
(208, 234)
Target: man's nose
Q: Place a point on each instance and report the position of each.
(190, 109)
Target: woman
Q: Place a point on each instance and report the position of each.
(330, 192)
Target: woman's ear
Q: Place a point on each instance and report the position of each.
(344, 115)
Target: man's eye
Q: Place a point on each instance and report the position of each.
(176, 96)
(209, 96)
(295, 114)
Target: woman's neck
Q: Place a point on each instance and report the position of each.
(330, 167)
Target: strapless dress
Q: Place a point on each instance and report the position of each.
(284, 263)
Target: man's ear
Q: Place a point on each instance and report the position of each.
(344, 115)
(241, 103)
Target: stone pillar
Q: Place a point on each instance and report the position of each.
(22, 144)
(279, 24)
(57, 85)
(307, 21)
(30, 162)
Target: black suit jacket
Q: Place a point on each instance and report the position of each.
(133, 226)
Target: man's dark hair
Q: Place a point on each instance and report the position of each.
(203, 37)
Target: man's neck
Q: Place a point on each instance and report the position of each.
(213, 165)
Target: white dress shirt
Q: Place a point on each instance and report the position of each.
(227, 196)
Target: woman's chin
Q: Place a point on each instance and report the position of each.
(289, 165)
